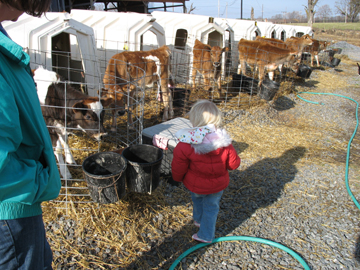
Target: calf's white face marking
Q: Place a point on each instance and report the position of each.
(158, 71)
(44, 78)
(97, 108)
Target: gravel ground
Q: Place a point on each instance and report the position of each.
(303, 205)
(352, 51)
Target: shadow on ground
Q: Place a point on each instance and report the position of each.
(258, 186)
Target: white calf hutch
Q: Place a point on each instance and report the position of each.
(59, 43)
(181, 31)
(267, 29)
(119, 31)
(244, 29)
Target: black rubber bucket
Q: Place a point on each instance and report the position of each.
(268, 89)
(304, 71)
(246, 84)
(335, 61)
(331, 53)
(105, 176)
(326, 64)
(143, 168)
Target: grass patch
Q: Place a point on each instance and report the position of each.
(332, 26)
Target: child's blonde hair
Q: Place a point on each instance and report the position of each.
(205, 112)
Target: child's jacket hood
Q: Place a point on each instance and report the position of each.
(204, 139)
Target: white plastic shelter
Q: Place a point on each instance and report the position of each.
(232, 55)
(288, 29)
(303, 30)
(284, 31)
(114, 31)
(267, 29)
(181, 31)
(58, 43)
(185, 28)
(244, 29)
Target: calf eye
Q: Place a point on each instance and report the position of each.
(88, 117)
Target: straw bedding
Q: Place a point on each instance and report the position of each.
(289, 188)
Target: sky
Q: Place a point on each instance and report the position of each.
(262, 8)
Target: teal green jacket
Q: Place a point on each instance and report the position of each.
(24, 181)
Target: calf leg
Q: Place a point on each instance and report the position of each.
(312, 60)
(167, 99)
(261, 76)
(239, 69)
(219, 85)
(64, 171)
(271, 75)
(193, 76)
(68, 156)
(317, 60)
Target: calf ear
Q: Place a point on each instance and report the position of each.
(103, 92)
(225, 49)
(107, 101)
(79, 107)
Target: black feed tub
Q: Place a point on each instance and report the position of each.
(250, 85)
(105, 176)
(304, 71)
(143, 168)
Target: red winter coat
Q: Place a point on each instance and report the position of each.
(204, 173)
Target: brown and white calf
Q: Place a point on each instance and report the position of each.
(264, 56)
(293, 44)
(125, 71)
(313, 49)
(207, 61)
(64, 109)
(298, 44)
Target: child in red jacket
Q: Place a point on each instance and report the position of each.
(201, 161)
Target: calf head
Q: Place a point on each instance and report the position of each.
(116, 94)
(88, 115)
(306, 40)
(216, 55)
(294, 62)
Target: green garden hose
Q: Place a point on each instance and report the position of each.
(269, 242)
(349, 144)
(242, 238)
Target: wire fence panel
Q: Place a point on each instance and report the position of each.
(80, 143)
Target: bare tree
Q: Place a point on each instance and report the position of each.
(294, 16)
(348, 8)
(191, 9)
(276, 18)
(324, 12)
(310, 11)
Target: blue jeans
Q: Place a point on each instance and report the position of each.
(205, 212)
(23, 244)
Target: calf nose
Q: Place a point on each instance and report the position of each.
(121, 113)
(216, 64)
(100, 136)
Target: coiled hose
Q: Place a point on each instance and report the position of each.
(349, 143)
(242, 238)
(269, 242)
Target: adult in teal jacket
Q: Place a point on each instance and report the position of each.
(28, 170)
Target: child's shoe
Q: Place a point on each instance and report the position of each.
(197, 224)
(196, 237)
